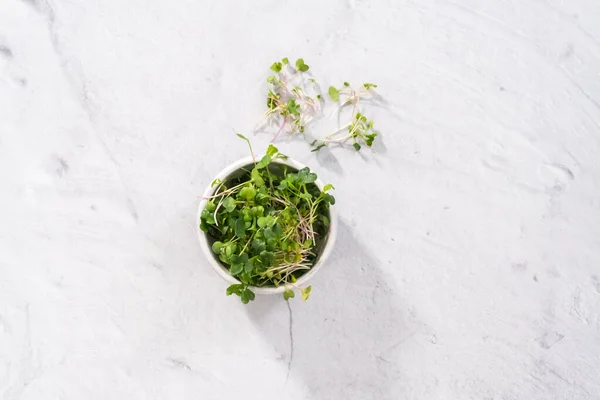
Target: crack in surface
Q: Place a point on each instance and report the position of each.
(291, 332)
(73, 72)
(179, 363)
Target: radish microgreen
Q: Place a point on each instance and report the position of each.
(267, 224)
(289, 105)
(359, 129)
(291, 102)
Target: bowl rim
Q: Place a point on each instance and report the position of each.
(222, 271)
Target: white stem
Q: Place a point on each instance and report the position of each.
(217, 209)
(338, 131)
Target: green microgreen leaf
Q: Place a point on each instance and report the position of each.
(327, 187)
(334, 93)
(267, 258)
(276, 67)
(356, 146)
(288, 294)
(329, 198)
(247, 296)
(310, 178)
(301, 66)
(369, 139)
(257, 211)
(236, 269)
(249, 266)
(207, 217)
(210, 206)
(230, 249)
(216, 247)
(369, 86)
(258, 246)
(267, 222)
(203, 226)
(262, 222)
(248, 192)
(234, 289)
(271, 150)
(257, 178)
(293, 108)
(266, 160)
(306, 292)
(229, 204)
(238, 263)
(240, 228)
(285, 61)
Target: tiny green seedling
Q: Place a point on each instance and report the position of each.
(268, 225)
(291, 101)
(290, 106)
(359, 129)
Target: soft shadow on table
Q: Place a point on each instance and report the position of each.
(326, 159)
(341, 340)
(379, 147)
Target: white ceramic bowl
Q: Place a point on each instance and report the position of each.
(222, 271)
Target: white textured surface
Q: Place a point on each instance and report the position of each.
(468, 260)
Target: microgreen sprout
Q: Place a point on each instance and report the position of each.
(291, 102)
(359, 129)
(249, 145)
(292, 109)
(267, 225)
